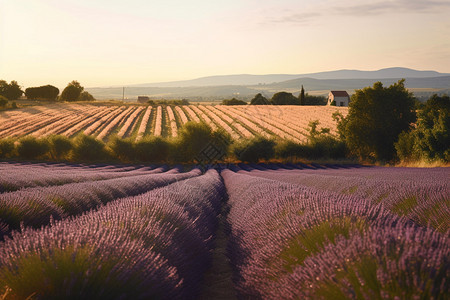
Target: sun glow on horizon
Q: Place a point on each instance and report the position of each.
(105, 43)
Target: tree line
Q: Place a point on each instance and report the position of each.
(384, 124)
(281, 98)
(72, 92)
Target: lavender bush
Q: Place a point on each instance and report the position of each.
(155, 245)
(421, 195)
(36, 206)
(17, 176)
(280, 231)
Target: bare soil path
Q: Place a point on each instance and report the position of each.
(218, 284)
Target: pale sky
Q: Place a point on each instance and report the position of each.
(112, 42)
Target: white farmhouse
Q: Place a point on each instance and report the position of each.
(341, 98)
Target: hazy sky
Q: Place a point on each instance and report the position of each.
(112, 42)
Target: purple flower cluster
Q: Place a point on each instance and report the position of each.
(156, 245)
(421, 195)
(290, 241)
(15, 176)
(37, 206)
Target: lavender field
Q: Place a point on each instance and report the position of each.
(292, 232)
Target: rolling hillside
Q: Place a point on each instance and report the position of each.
(246, 86)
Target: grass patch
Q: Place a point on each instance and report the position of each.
(312, 240)
(405, 206)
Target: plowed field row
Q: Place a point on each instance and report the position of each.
(136, 122)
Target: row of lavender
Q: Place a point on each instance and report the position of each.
(15, 176)
(156, 245)
(37, 206)
(421, 195)
(312, 241)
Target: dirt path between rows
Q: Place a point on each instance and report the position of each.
(218, 284)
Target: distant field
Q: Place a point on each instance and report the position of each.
(138, 121)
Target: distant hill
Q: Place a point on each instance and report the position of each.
(247, 79)
(346, 84)
(423, 83)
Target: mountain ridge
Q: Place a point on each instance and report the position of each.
(251, 79)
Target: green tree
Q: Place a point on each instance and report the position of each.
(314, 100)
(46, 92)
(259, 99)
(72, 91)
(430, 139)
(284, 98)
(86, 96)
(301, 96)
(377, 115)
(3, 101)
(233, 101)
(11, 91)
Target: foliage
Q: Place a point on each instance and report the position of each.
(259, 99)
(6, 147)
(72, 91)
(284, 98)
(196, 140)
(88, 148)
(315, 100)
(289, 149)
(60, 146)
(430, 140)
(86, 96)
(377, 115)
(30, 147)
(255, 149)
(3, 101)
(46, 92)
(124, 149)
(301, 96)
(153, 149)
(11, 91)
(233, 101)
(323, 144)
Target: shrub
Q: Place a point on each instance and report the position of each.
(14, 105)
(30, 147)
(254, 149)
(6, 147)
(152, 149)
(324, 145)
(88, 148)
(60, 146)
(287, 149)
(197, 142)
(122, 148)
(327, 147)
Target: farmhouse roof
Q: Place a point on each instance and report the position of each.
(340, 93)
